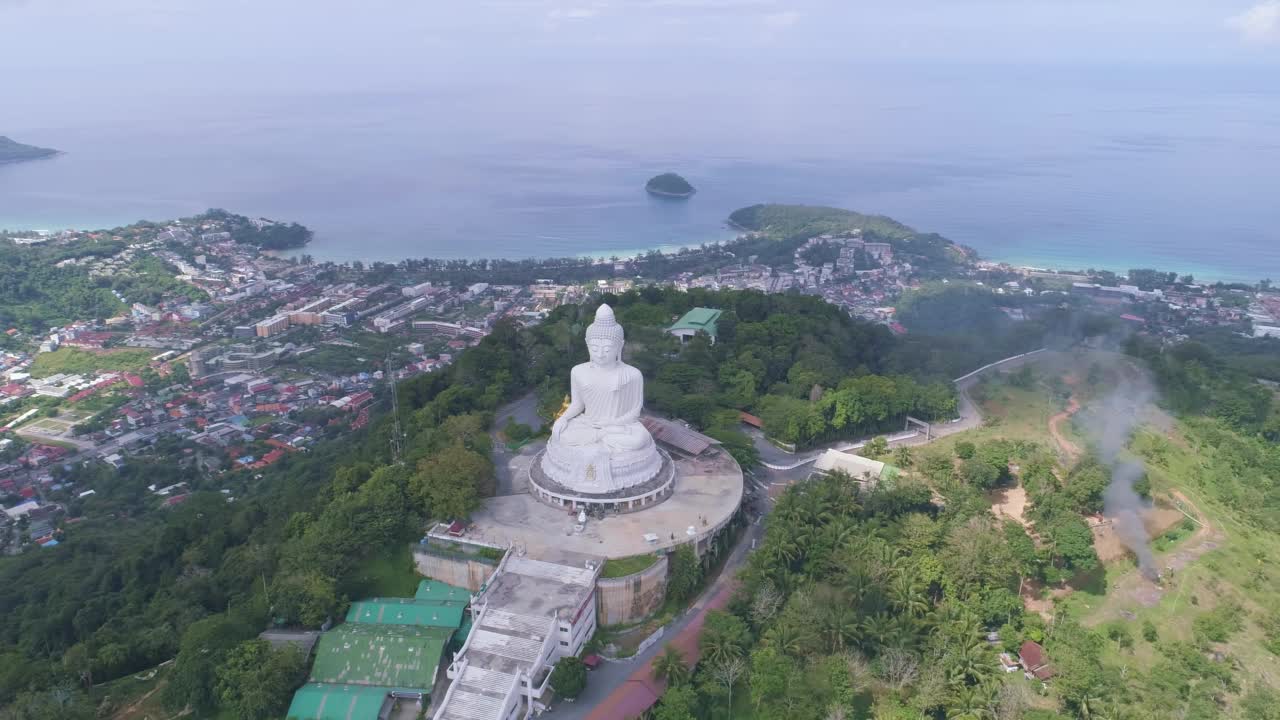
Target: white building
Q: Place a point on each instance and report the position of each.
(530, 614)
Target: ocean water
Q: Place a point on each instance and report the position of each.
(1176, 168)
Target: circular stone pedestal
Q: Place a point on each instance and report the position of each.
(636, 497)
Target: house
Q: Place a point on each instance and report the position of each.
(695, 321)
(1034, 661)
(855, 466)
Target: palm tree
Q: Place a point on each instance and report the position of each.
(908, 595)
(969, 703)
(789, 638)
(838, 623)
(878, 629)
(670, 666)
(717, 647)
(969, 662)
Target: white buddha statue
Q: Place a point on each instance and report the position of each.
(598, 444)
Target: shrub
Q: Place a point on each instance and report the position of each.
(569, 678)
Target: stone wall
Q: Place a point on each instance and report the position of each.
(634, 597)
(457, 571)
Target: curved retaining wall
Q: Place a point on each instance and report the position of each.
(632, 598)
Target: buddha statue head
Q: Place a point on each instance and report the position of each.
(605, 338)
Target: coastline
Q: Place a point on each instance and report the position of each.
(665, 194)
(319, 250)
(34, 158)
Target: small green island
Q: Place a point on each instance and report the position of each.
(12, 151)
(669, 185)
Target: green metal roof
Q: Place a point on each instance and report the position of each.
(406, 611)
(698, 319)
(323, 701)
(394, 656)
(436, 590)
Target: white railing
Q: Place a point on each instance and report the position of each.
(548, 649)
(511, 698)
(449, 693)
(988, 366)
(462, 651)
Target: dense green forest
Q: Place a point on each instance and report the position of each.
(14, 151)
(35, 294)
(878, 604)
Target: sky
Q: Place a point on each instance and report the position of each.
(108, 44)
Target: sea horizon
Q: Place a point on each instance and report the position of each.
(1059, 167)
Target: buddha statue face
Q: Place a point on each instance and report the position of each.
(604, 352)
(604, 339)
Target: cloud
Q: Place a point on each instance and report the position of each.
(1258, 24)
(583, 11)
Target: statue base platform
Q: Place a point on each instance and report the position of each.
(704, 495)
(630, 499)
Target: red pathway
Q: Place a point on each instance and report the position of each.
(641, 690)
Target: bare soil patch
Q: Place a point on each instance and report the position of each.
(1010, 503)
(1068, 448)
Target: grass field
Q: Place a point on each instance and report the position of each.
(77, 361)
(621, 567)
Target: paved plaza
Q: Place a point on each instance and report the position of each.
(708, 490)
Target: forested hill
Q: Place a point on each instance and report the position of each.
(788, 220)
(13, 151)
(134, 585)
(793, 224)
(265, 234)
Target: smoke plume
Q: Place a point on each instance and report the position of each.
(1109, 424)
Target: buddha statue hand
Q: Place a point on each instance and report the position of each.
(558, 427)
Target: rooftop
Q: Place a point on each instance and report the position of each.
(406, 611)
(678, 436)
(698, 319)
(393, 656)
(323, 701)
(535, 588)
(441, 592)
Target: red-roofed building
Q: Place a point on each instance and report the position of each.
(176, 500)
(133, 380)
(1035, 661)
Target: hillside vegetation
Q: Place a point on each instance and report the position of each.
(791, 225)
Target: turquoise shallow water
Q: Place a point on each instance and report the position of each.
(1099, 167)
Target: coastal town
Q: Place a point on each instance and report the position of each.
(252, 355)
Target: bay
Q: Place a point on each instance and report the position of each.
(1115, 167)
